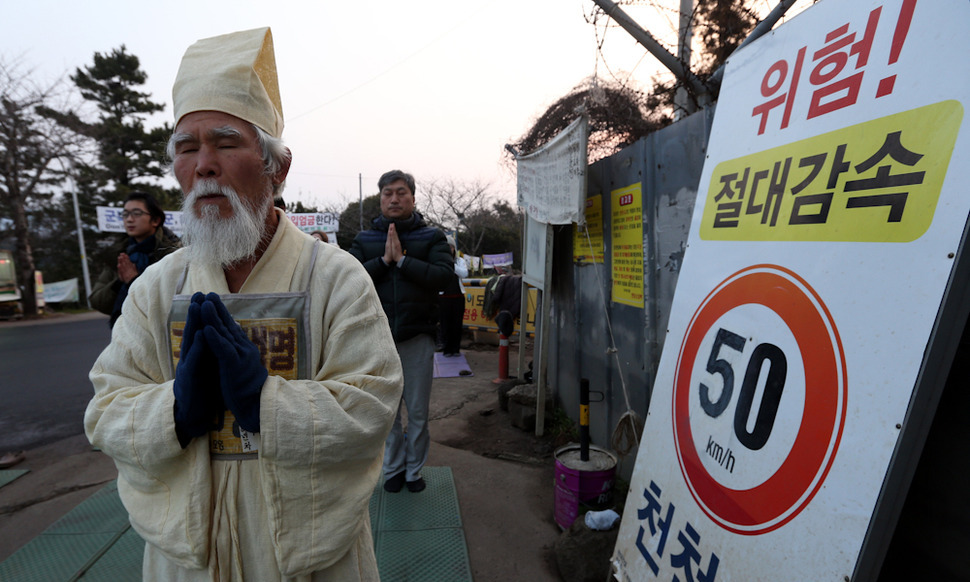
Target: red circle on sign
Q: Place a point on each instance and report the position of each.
(784, 494)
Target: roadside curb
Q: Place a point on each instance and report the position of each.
(53, 318)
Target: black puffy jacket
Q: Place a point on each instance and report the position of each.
(408, 293)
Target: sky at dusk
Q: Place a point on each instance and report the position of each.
(433, 87)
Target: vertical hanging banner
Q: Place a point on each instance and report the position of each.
(823, 245)
(535, 253)
(551, 181)
(626, 221)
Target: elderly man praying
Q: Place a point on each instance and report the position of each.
(251, 379)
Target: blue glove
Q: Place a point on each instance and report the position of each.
(241, 370)
(198, 402)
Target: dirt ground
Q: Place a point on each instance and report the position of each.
(490, 432)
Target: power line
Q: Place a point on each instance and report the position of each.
(434, 41)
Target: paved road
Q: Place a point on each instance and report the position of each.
(44, 385)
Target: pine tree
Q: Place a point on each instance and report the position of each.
(350, 219)
(127, 156)
(127, 152)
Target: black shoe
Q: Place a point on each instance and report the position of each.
(416, 486)
(394, 484)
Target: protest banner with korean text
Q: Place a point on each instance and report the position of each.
(821, 261)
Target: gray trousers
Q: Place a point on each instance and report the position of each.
(409, 450)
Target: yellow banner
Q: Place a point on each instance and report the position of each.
(877, 181)
(590, 251)
(627, 228)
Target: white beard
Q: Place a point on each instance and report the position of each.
(213, 240)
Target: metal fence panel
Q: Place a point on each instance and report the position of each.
(612, 344)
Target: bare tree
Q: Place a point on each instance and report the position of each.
(451, 205)
(619, 114)
(30, 144)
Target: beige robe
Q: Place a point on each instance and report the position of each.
(299, 512)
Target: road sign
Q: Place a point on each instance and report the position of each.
(822, 285)
(761, 334)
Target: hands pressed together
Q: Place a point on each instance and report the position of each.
(218, 368)
(127, 271)
(393, 252)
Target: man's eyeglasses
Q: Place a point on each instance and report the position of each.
(133, 213)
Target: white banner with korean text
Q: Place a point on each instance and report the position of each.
(310, 222)
(828, 214)
(110, 220)
(551, 181)
(61, 291)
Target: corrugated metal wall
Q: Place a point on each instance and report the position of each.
(668, 166)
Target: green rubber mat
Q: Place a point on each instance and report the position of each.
(73, 543)
(121, 562)
(434, 555)
(8, 475)
(54, 558)
(417, 537)
(100, 513)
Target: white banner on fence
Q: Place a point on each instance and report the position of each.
(61, 291)
(552, 180)
(500, 260)
(109, 220)
(309, 222)
(828, 215)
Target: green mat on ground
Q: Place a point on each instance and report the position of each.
(8, 475)
(417, 537)
(73, 543)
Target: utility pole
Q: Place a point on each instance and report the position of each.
(683, 106)
(72, 185)
(360, 204)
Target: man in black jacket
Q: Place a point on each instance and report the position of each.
(410, 263)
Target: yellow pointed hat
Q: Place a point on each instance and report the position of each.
(234, 73)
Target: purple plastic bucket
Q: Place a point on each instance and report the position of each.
(581, 483)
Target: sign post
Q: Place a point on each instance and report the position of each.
(818, 305)
(551, 187)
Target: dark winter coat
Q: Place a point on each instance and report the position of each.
(408, 292)
(109, 291)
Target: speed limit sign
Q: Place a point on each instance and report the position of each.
(759, 399)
